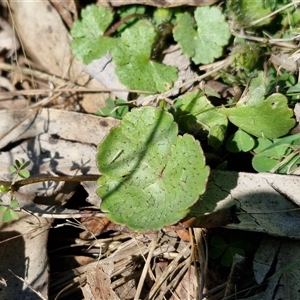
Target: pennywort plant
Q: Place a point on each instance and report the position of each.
(153, 170)
(153, 167)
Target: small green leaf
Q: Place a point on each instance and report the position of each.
(271, 118)
(114, 109)
(256, 91)
(217, 252)
(18, 164)
(134, 66)
(294, 90)
(9, 215)
(3, 208)
(196, 112)
(218, 242)
(262, 163)
(162, 15)
(269, 154)
(150, 176)
(206, 44)
(24, 173)
(229, 254)
(240, 141)
(288, 140)
(4, 189)
(88, 40)
(12, 170)
(267, 147)
(14, 203)
(24, 165)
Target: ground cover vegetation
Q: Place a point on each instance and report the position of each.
(208, 88)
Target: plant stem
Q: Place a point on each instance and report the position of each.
(16, 185)
(114, 28)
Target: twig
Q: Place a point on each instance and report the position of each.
(264, 40)
(145, 269)
(29, 286)
(15, 186)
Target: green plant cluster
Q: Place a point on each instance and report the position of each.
(262, 117)
(153, 169)
(133, 47)
(20, 172)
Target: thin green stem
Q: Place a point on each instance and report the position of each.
(16, 185)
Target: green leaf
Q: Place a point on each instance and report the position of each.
(4, 189)
(218, 242)
(240, 141)
(9, 215)
(196, 112)
(134, 66)
(267, 147)
(246, 11)
(229, 254)
(270, 154)
(14, 203)
(24, 173)
(288, 140)
(294, 90)
(150, 176)
(12, 170)
(3, 208)
(217, 252)
(271, 118)
(206, 44)
(256, 91)
(262, 163)
(113, 109)
(162, 15)
(24, 165)
(18, 164)
(88, 41)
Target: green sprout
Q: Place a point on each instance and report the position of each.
(20, 172)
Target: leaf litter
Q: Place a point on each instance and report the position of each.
(60, 150)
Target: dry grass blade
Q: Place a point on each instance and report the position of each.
(172, 266)
(145, 270)
(183, 267)
(202, 248)
(29, 286)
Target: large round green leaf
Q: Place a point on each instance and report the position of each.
(150, 175)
